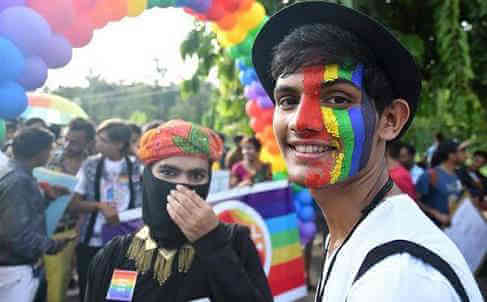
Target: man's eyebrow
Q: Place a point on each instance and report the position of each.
(285, 88)
(168, 166)
(330, 83)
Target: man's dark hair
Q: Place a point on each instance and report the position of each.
(323, 44)
(480, 153)
(394, 149)
(439, 137)
(118, 131)
(252, 140)
(35, 120)
(410, 148)
(151, 125)
(31, 141)
(443, 152)
(80, 124)
(56, 130)
(136, 130)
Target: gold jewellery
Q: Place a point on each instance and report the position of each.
(143, 248)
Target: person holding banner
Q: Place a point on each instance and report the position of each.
(344, 87)
(183, 252)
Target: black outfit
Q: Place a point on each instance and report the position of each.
(225, 265)
(476, 188)
(226, 268)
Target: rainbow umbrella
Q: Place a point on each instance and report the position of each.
(52, 108)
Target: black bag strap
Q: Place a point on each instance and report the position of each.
(98, 175)
(387, 249)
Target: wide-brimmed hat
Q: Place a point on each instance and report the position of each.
(391, 56)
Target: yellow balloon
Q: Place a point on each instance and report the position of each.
(136, 7)
(220, 36)
(237, 35)
(253, 17)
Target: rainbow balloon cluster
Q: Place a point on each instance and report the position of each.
(36, 35)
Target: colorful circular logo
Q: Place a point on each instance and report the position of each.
(234, 211)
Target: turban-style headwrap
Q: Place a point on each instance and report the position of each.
(179, 138)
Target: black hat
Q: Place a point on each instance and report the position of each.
(391, 56)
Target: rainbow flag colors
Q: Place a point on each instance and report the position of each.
(122, 285)
(267, 210)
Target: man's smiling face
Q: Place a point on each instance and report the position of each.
(324, 123)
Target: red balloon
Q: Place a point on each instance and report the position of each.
(81, 31)
(99, 16)
(83, 5)
(216, 11)
(257, 125)
(245, 5)
(58, 13)
(199, 16)
(267, 115)
(231, 5)
(118, 9)
(252, 108)
(228, 22)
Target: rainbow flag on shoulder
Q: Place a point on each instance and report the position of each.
(267, 209)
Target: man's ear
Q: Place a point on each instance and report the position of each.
(393, 119)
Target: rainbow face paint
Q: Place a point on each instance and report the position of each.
(350, 130)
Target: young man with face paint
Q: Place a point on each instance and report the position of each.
(343, 87)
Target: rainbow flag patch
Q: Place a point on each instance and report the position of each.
(122, 285)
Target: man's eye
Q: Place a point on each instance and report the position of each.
(337, 100)
(168, 172)
(198, 176)
(288, 102)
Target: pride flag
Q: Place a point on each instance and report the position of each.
(267, 210)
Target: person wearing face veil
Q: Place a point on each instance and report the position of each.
(178, 259)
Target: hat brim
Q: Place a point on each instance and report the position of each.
(391, 55)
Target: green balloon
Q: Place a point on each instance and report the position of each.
(296, 187)
(3, 131)
(247, 61)
(279, 175)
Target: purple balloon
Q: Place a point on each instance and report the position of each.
(8, 3)
(259, 90)
(25, 28)
(34, 74)
(265, 102)
(57, 52)
(307, 229)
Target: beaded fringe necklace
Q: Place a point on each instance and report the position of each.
(143, 248)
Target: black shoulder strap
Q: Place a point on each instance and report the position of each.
(387, 249)
(130, 167)
(91, 223)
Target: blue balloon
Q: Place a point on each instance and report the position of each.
(248, 76)
(241, 65)
(13, 100)
(304, 197)
(11, 60)
(307, 213)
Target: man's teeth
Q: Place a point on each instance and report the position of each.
(312, 148)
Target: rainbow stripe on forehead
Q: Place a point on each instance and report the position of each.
(345, 71)
(345, 124)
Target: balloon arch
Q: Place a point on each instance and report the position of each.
(36, 35)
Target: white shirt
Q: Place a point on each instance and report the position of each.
(113, 190)
(399, 277)
(3, 159)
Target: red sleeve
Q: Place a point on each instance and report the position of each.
(403, 180)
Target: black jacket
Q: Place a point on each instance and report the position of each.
(226, 268)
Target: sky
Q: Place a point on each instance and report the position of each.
(125, 51)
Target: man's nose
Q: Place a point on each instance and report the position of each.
(308, 115)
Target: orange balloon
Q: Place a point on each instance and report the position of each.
(268, 134)
(228, 22)
(273, 148)
(118, 9)
(245, 5)
(99, 16)
(236, 35)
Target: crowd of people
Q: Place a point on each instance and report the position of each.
(338, 114)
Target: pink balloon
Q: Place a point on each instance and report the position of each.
(58, 13)
(81, 32)
(34, 74)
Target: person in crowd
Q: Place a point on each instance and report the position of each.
(136, 134)
(406, 158)
(151, 125)
(439, 187)
(36, 122)
(23, 238)
(220, 165)
(432, 149)
(471, 177)
(399, 174)
(235, 154)
(79, 137)
(183, 252)
(251, 169)
(108, 183)
(343, 87)
(11, 126)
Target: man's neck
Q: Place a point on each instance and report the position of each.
(114, 157)
(342, 203)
